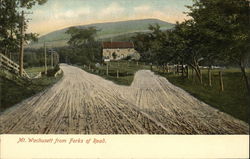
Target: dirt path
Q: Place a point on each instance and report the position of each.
(82, 103)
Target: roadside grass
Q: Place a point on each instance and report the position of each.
(234, 100)
(126, 71)
(33, 71)
(12, 92)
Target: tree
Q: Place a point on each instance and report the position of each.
(150, 45)
(141, 42)
(225, 24)
(10, 23)
(187, 43)
(85, 48)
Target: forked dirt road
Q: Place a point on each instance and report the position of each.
(82, 103)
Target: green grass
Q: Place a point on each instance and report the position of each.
(33, 71)
(126, 71)
(12, 93)
(234, 100)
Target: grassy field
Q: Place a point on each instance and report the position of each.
(126, 71)
(234, 100)
(12, 93)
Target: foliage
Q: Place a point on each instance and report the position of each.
(217, 33)
(83, 48)
(10, 25)
(225, 26)
(150, 45)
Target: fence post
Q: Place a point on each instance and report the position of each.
(187, 71)
(221, 81)
(177, 68)
(209, 77)
(107, 69)
(117, 73)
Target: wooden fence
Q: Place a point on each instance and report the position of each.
(10, 65)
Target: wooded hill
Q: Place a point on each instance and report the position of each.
(116, 30)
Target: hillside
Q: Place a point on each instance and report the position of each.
(107, 30)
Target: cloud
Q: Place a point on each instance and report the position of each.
(113, 9)
(73, 13)
(142, 9)
(166, 13)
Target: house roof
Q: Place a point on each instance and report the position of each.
(116, 45)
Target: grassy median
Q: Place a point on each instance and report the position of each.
(126, 71)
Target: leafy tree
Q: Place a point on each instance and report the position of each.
(10, 23)
(225, 24)
(141, 42)
(85, 48)
(150, 45)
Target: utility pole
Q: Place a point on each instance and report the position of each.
(21, 49)
(45, 59)
(21, 45)
(52, 57)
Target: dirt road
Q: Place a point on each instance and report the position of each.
(82, 103)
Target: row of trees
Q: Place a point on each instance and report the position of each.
(217, 33)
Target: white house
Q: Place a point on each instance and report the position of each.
(118, 50)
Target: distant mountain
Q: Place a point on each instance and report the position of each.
(114, 30)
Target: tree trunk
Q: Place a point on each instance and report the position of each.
(197, 71)
(192, 74)
(182, 70)
(177, 69)
(221, 81)
(201, 78)
(243, 70)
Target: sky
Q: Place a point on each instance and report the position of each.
(59, 14)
